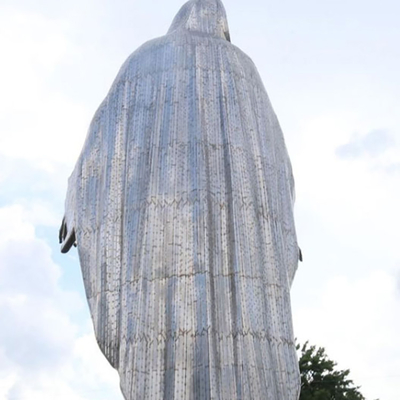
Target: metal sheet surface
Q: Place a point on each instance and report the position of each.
(182, 207)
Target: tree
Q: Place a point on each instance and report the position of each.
(320, 380)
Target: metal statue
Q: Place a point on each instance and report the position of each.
(181, 205)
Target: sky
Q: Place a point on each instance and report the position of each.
(331, 72)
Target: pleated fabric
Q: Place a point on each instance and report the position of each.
(182, 204)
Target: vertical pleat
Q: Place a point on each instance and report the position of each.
(185, 227)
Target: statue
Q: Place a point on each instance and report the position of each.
(181, 206)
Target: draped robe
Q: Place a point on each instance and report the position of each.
(181, 205)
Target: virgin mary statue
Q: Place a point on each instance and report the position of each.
(181, 206)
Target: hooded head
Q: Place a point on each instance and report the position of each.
(206, 16)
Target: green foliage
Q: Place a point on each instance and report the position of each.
(320, 380)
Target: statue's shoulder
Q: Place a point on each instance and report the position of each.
(146, 53)
(163, 50)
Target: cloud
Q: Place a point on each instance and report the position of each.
(348, 208)
(393, 169)
(47, 346)
(372, 144)
(357, 322)
(345, 295)
(37, 122)
(36, 335)
(378, 148)
(44, 354)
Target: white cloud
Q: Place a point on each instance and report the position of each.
(353, 201)
(43, 353)
(87, 352)
(37, 120)
(357, 322)
(40, 212)
(373, 144)
(345, 296)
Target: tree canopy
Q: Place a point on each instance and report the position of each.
(320, 380)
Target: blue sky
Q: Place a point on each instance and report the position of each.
(331, 71)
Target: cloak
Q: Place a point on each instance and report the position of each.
(181, 205)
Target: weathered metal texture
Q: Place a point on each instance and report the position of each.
(181, 203)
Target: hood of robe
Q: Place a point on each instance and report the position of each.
(204, 16)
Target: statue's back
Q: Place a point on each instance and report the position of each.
(181, 203)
